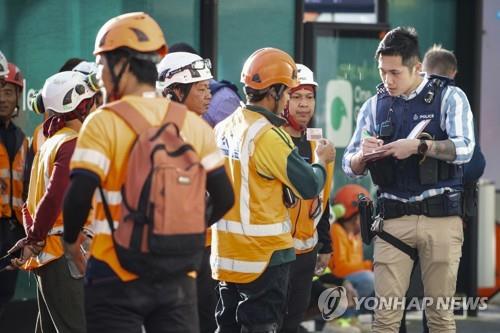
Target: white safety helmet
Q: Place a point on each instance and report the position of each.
(64, 91)
(4, 65)
(305, 75)
(182, 67)
(86, 67)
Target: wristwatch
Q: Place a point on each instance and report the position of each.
(422, 147)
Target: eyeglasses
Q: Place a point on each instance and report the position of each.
(195, 65)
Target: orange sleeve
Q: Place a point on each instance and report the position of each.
(342, 263)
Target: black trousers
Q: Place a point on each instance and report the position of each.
(166, 306)
(207, 295)
(60, 299)
(257, 306)
(299, 291)
(10, 232)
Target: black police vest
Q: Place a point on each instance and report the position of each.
(408, 177)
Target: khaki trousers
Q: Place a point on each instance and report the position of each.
(439, 244)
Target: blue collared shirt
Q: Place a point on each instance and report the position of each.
(456, 120)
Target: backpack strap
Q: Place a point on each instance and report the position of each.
(176, 114)
(130, 115)
(107, 211)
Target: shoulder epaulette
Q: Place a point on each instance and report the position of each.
(382, 91)
(441, 81)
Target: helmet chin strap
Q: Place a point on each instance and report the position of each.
(291, 121)
(116, 78)
(276, 97)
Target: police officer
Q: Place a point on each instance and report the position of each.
(440, 61)
(419, 179)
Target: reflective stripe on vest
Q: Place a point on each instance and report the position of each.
(112, 197)
(58, 230)
(236, 227)
(93, 157)
(16, 202)
(102, 227)
(245, 153)
(303, 245)
(16, 175)
(237, 265)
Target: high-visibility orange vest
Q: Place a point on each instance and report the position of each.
(12, 177)
(305, 236)
(43, 165)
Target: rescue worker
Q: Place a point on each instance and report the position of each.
(309, 218)
(419, 179)
(184, 77)
(13, 173)
(348, 262)
(67, 98)
(252, 246)
(180, 72)
(84, 67)
(127, 49)
(225, 98)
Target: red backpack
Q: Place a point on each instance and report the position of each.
(162, 227)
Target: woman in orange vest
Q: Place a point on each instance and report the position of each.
(13, 173)
(68, 99)
(310, 218)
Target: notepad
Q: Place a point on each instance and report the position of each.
(418, 129)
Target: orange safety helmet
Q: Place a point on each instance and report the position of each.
(136, 31)
(347, 196)
(269, 66)
(14, 76)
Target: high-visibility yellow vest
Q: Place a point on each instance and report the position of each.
(305, 235)
(258, 224)
(38, 138)
(12, 178)
(41, 171)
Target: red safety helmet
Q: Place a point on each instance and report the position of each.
(14, 76)
(347, 196)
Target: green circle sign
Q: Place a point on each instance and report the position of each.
(337, 112)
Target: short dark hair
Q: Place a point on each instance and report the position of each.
(70, 64)
(144, 70)
(182, 47)
(257, 95)
(440, 61)
(400, 42)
